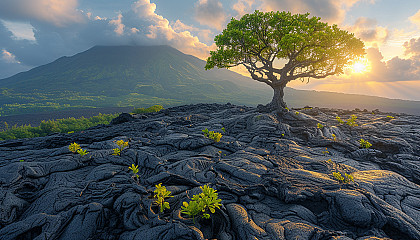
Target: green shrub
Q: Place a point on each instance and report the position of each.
(74, 147)
(390, 117)
(347, 179)
(339, 120)
(334, 137)
(135, 169)
(202, 203)
(121, 146)
(364, 143)
(216, 136)
(155, 108)
(352, 121)
(319, 125)
(160, 194)
(82, 152)
(66, 125)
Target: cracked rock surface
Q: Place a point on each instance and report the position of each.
(273, 175)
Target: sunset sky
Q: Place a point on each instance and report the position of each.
(36, 32)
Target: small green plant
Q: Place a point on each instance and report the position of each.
(287, 108)
(326, 151)
(202, 203)
(319, 125)
(21, 160)
(347, 179)
(160, 194)
(337, 175)
(70, 132)
(297, 113)
(74, 147)
(364, 143)
(352, 121)
(135, 169)
(223, 129)
(339, 120)
(121, 145)
(390, 117)
(334, 137)
(216, 136)
(81, 152)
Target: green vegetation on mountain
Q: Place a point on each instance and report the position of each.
(155, 108)
(123, 76)
(67, 125)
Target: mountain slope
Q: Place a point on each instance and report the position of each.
(120, 70)
(109, 76)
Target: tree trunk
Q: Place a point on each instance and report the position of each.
(278, 103)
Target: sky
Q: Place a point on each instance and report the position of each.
(36, 32)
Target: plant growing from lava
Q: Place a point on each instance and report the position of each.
(82, 152)
(202, 203)
(320, 126)
(347, 179)
(352, 121)
(74, 147)
(311, 49)
(216, 136)
(364, 143)
(160, 194)
(135, 170)
(121, 146)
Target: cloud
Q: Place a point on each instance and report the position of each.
(210, 13)
(8, 57)
(204, 34)
(20, 30)
(180, 27)
(394, 70)
(57, 12)
(243, 7)
(416, 18)
(331, 11)
(367, 30)
(119, 27)
(9, 65)
(412, 47)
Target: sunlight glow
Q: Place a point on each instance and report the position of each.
(361, 66)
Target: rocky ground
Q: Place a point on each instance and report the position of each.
(273, 175)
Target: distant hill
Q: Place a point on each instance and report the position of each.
(119, 76)
(137, 76)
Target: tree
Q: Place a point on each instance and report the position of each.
(309, 47)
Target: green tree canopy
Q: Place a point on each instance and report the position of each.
(311, 48)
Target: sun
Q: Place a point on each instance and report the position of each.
(361, 66)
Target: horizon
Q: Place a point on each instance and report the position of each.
(33, 35)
